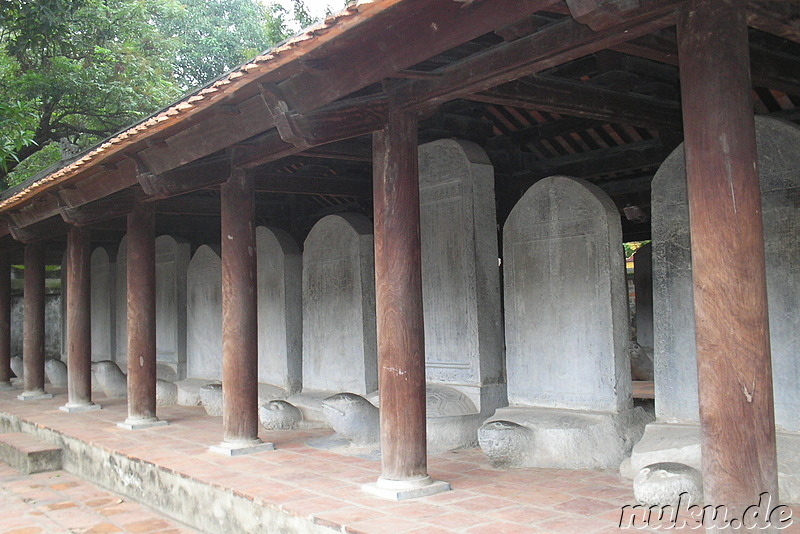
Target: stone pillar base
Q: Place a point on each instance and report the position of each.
(140, 424)
(4, 386)
(34, 395)
(240, 448)
(401, 490)
(76, 408)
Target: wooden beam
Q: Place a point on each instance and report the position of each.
(412, 32)
(631, 157)
(554, 45)
(601, 14)
(345, 120)
(270, 182)
(39, 231)
(582, 99)
(767, 21)
(769, 68)
(104, 209)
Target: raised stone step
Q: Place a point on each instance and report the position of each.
(29, 454)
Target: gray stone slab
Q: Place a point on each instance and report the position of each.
(680, 442)
(29, 454)
(80, 408)
(405, 490)
(566, 299)
(460, 273)
(280, 309)
(204, 310)
(241, 449)
(643, 286)
(34, 395)
(104, 310)
(674, 329)
(172, 262)
(142, 424)
(339, 344)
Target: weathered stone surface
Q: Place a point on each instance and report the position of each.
(666, 483)
(53, 325)
(279, 415)
(121, 303)
(460, 274)
(680, 443)
(674, 333)
(189, 390)
(28, 454)
(565, 296)
(339, 345)
(451, 418)
(211, 399)
(556, 438)
(110, 379)
(280, 309)
(165, 372)
(17, 367)
(172, 262)
(204, 311)
(569, 382)
(353, 418)
(643, 287)
(56, 372)
(641, 361)
(103, 295)
(166, 393)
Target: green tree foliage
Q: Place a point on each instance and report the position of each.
(82, 69)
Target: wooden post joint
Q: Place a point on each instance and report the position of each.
(285, 120)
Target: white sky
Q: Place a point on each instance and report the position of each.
(315, 7)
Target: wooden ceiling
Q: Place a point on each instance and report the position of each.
(586, 88)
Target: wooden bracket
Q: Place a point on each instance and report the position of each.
(601, 14)
(285, 120)
(149, 181)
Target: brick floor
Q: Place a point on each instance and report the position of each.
(59, 502)
(321, 486)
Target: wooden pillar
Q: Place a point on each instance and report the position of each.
(400, 326)
(79, 326)
(239, 318)
(141, 318)
(33, 325)
(5, 321)
(730, 293)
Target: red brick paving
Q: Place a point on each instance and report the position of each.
(321, 486)
(59, 502)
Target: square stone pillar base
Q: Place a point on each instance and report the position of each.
(401, 490)
(241, 448)
(141, 424)
(6, 386)
(34, 395)
(76, 408)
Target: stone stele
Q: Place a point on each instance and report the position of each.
(674, 437)
(569, 382)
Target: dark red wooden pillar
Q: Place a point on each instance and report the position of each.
(400, 326)
(141, 318)
(79, 326)
(33, 326)
(239, 318)
(5, 321)
(730, 292)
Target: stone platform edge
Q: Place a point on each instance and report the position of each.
(211, 508)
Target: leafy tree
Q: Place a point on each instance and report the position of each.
(216, 35)
(82, 69)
